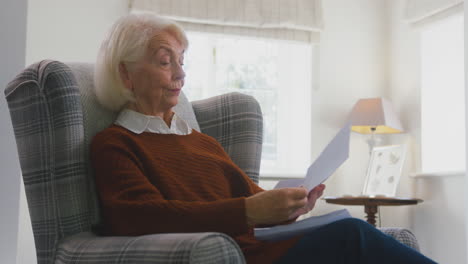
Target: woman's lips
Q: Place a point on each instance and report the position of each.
(175, 91)
(176, 87)
(176, 84)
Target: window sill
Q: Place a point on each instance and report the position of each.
(280, 176)
(439, 174)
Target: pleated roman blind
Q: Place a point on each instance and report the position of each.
(424, 11)
(299, 20)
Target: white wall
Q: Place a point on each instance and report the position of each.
(466, 122)
(69, 30)
(404, 92)
(352, 66)
(439, 222)
(12, 52)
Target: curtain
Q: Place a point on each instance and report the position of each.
(299, 20)
(425, 11)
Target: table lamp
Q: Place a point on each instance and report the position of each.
(374, 116)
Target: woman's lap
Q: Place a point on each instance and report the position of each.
(351, 241)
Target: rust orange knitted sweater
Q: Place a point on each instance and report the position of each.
(165, 183)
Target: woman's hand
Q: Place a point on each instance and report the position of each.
(275, 206)
(312, 197)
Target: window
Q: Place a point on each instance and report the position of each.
(443, 96)
(276, 73)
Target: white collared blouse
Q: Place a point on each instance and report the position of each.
(138, 123)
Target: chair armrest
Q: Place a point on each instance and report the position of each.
(403, 235)
(236, 122)
(200, 248)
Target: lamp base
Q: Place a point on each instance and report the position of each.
(372, 142)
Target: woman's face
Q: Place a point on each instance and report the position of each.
(157, 79)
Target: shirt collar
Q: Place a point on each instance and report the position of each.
(139, 123)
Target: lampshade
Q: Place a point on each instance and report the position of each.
(374, 113)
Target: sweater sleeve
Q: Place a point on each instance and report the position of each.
(132, 205)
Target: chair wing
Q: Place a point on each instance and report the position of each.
(47, 118)
(235, 120)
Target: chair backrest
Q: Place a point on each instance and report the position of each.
(54, 114)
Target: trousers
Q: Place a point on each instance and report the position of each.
(350, 241)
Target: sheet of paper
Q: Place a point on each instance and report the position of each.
(289, 183)
(331, 158)
(305, 226)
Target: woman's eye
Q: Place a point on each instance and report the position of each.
(164, 63)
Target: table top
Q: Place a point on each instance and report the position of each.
(371, 200)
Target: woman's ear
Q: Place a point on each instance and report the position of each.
(125, 76)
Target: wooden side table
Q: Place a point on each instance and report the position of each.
(371, 204)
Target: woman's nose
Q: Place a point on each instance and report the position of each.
(179, 73)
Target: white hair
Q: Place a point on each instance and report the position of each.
(127, 42)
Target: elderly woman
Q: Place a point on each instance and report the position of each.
(155, 174)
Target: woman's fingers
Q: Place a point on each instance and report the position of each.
(316, 193)
(312, 197)
(275, 206)
(296, 193)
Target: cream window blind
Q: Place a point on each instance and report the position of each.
(421, 12)
(299, 20)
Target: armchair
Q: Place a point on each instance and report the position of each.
(55, 114)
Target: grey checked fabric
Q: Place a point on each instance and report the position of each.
(55, 114)
(236, 122)
(168, 248)
(48, 126)
(403, 235)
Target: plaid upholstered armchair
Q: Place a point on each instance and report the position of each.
(55, 114)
